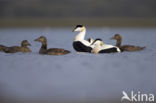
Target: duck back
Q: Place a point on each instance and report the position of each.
(15, 49)
(131, 48)
(57, 51)
(12, 49)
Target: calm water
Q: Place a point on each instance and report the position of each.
(76, 77)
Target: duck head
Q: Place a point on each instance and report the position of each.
(79, 28)
(116, 37)
(25, 43)
(90, 40)
(41, 39)
(98, 42)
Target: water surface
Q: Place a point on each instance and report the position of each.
(77, 76)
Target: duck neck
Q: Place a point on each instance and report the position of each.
(118, 43)
(44, 46)
(81, 35)
(23, 46)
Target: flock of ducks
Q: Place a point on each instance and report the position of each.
(80, 45)
(98, 46)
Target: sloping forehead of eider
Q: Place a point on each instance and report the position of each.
(96, 40)
(25, 41)
(42, 37)
(79, 26)
(117, 35)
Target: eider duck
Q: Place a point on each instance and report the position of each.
(131, 48)
(23, 48)
(79, 44)
(100, 47)
(51, 51)
(90, 40)
(2, 47)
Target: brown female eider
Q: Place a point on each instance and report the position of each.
(131, 48)
(2, 47)
(23, 48)
(51, 51)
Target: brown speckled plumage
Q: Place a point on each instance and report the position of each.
(2, 47)
(23, 48)
(125, 47)
(51, 51)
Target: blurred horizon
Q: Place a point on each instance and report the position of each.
(71, 12)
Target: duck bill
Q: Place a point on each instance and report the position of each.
(73, 30)
(112, 38)
(37, 39)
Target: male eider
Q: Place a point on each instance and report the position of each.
(100, 47)
(51, 51)
(23, 48)
(131, 48)
(90, 40)
(79, 44)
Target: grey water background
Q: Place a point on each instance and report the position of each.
(76, 76)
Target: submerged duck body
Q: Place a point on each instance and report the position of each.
(51, 51)
(23, 48)
(130, 48)
(79, 44)
(100, 47)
